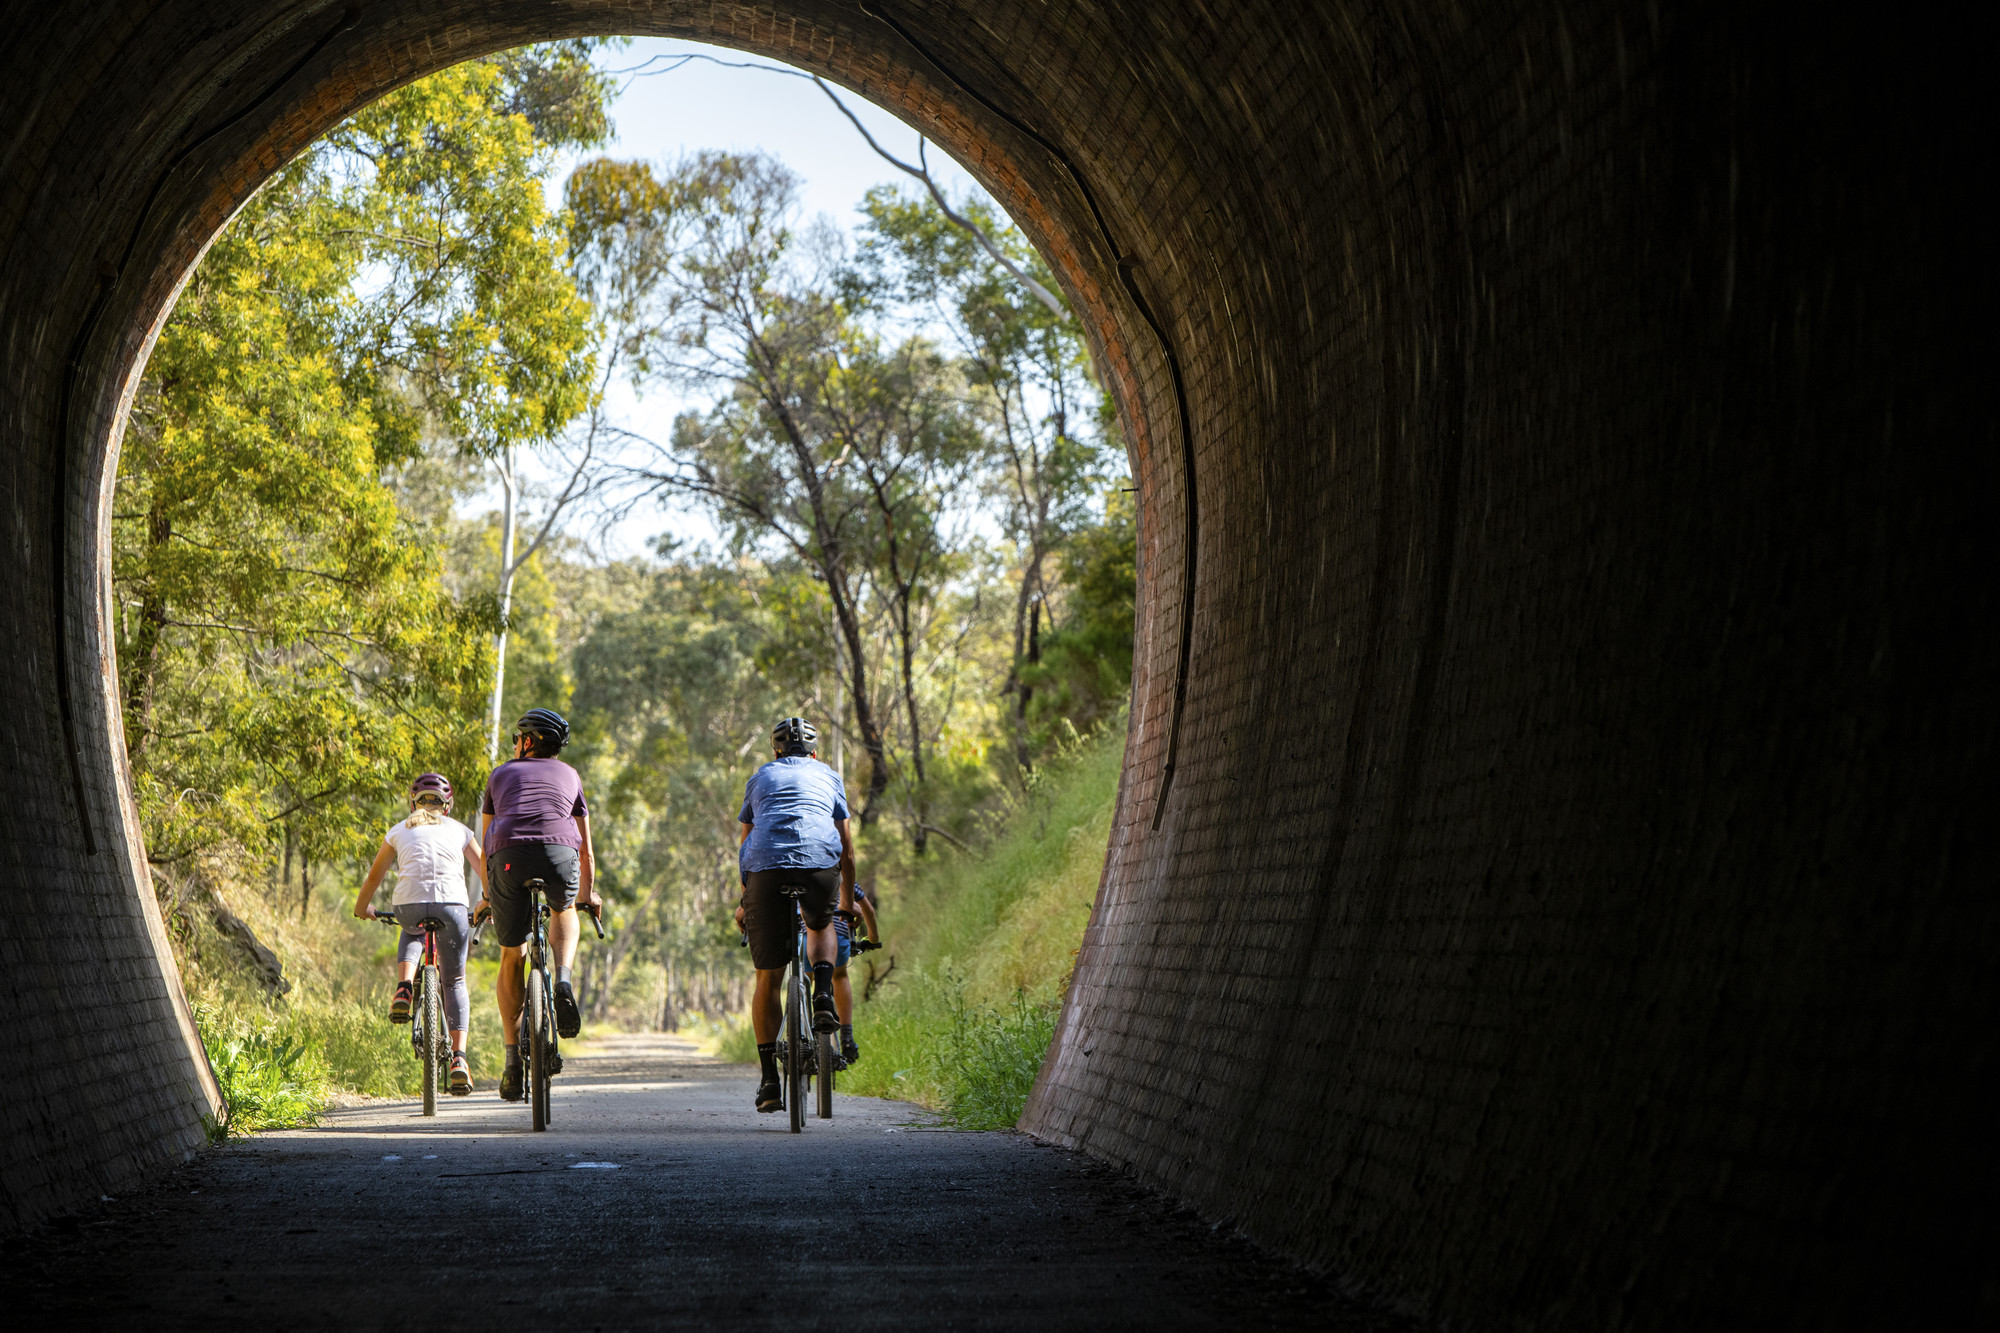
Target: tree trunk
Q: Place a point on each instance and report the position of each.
(1027, 649)
(506, 603)
(864, 707)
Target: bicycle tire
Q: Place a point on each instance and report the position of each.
(544, 1078)
(432, 1035)
(534, 1013)
(827, 1053)
(795, 1052)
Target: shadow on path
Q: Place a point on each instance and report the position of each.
(657, 1197)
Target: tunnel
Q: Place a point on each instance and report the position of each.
(1544, 884)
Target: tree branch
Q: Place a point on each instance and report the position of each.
(965, 224)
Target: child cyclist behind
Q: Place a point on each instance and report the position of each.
(428, 849)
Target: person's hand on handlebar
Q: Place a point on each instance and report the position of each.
(482, 913)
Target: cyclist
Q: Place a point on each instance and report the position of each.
(430, 882)
(850, 944)
(536, 825)
(794, 834)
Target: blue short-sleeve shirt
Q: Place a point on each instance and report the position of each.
(790, 805)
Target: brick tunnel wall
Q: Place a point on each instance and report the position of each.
(1563, 906)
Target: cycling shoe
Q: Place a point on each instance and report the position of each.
(399, 1008)
(569, 1019)
(826, 1018)
(771, 1095)
(461, 1077)
(510, 1083)
(849, 1052)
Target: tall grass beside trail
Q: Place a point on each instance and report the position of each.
(983, 943)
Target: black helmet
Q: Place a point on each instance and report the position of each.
(545, 722)
(794, 735)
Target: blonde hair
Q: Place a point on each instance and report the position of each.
(421, 816)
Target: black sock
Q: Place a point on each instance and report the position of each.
(822, 978)
(513, 1055)
(767, 1056)
(847, 1029)
(562, 976)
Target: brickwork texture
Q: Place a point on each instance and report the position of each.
(1545, 885)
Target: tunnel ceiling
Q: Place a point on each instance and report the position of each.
(1542, 888)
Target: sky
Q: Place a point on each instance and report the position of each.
(669, 107)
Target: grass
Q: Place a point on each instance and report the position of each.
(983, 944)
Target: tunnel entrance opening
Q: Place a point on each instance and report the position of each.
(191, 477)
(1563, 909)
(262, 102)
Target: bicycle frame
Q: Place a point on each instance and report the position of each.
(426, 1010)
(535, 1028)
(806, 1055)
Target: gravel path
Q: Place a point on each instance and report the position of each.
(657, 1198)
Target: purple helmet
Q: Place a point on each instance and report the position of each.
(436, 784)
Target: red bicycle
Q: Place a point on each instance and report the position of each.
(427, 1031)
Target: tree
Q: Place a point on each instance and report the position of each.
(672, 709)
(287, 645)
(1047, 419)
(740, 307)
(448, 175)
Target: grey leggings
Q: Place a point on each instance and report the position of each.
(454, 939)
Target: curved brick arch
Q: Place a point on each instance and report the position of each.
(1544, 885)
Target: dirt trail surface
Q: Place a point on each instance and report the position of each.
(658, 1197)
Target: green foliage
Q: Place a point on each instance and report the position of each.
(287, 644)
(983, 946)
(668, 693)
(559, 91)
(1084, 671)
(269, 1079)
(1048, 428)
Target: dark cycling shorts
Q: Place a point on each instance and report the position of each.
(510, 868)
(767, 911)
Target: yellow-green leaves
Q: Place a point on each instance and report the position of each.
(288, 652)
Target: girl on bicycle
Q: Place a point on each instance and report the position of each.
(430, 882)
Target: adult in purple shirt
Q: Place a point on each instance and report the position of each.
(534, 824)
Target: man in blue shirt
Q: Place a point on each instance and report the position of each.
(795, 835)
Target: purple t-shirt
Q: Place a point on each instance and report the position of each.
(533, 800)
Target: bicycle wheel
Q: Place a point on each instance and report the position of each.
(826, 1053)
(430, 1034)
(534, 1012)
(795, 1051)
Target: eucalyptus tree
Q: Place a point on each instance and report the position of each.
(745, 308)
(1049, 424)
(286, 644)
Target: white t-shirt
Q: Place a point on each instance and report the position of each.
(430, 861)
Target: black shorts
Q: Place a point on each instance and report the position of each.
(507, 873)
(767, 910)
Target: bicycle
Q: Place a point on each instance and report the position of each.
(541, 1061)
(427, 1032)
(805, 1054)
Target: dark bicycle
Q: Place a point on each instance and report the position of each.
(540, 1056)
(427, 1032)
(805, 1054)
